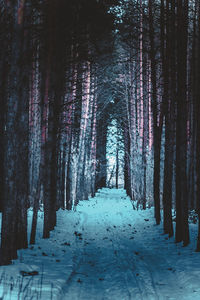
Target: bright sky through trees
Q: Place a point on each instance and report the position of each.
(114, 142)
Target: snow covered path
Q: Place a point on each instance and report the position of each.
(121, 255)
(105, 251)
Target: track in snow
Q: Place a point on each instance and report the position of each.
(117, 256)
(104, 251)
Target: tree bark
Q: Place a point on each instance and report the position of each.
(156, 129)
(182, 228)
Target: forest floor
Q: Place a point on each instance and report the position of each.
(104, 250)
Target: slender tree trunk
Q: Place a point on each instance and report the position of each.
(117, 161)
(182, 228)
(197, 122)
(83, 131)
(168, 162)
(156, 129)
(36, 207)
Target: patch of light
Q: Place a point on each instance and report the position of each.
(114, 141)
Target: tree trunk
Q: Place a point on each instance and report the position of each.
(156, 130)
(182, 228)
(14, 218)
(197, 122)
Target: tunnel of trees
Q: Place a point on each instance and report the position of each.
(71, 69)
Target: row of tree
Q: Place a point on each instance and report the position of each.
(50, 118)
(159, 56)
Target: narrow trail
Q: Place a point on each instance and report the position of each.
(118, 256)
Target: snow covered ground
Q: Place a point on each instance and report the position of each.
(104, 250)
